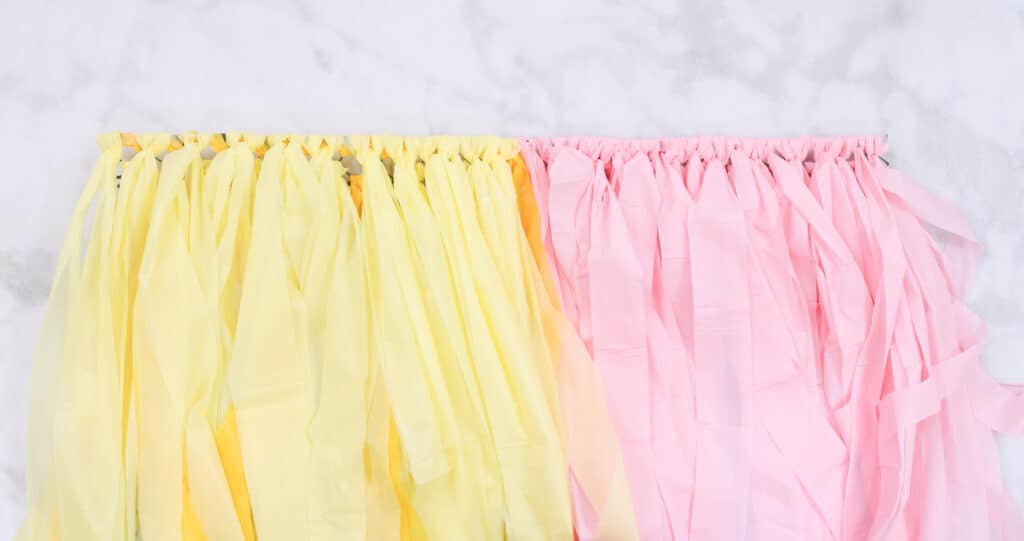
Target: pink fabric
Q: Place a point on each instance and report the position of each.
(785, 348)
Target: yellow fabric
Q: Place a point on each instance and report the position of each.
(529, 216)
(231, 458)
(253, 343)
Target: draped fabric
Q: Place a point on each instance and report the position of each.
(785, 348)
(312, 337)
(306, 337)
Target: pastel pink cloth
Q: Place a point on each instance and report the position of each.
(784, 347)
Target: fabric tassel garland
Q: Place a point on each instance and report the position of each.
(401, 338)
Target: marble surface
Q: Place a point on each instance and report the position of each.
(943, 79)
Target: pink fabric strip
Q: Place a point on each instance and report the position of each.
(785, 348)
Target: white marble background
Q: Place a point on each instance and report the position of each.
(943, 78)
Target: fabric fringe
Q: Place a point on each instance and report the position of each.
(785, 347)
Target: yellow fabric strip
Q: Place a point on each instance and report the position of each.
(231, 457)
(269, 368)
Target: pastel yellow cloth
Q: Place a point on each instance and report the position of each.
(255, 342)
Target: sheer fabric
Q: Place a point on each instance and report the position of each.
(311, 337)
(785, 348)
(404, 338)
